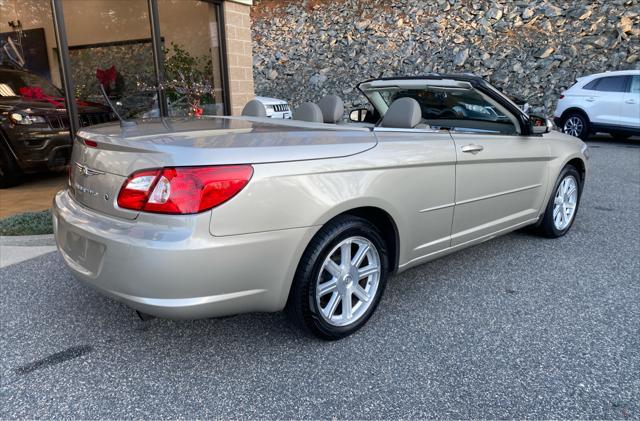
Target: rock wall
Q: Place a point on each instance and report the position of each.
(303, 50)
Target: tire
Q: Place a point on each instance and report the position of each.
(322, 312)
(576, 124)
(553, 225)
(10, 174)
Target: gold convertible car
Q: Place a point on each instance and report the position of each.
(205, 217)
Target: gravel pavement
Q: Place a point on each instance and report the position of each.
(518, 327)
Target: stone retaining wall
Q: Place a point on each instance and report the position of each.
(303, 50)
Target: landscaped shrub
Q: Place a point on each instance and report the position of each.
(28, 223)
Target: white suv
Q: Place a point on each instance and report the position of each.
(605, 102)
(276, 108)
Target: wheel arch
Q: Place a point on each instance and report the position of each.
(574, 110)
(382, 220)
(580, 165)
(379, 216)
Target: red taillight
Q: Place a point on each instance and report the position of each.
(91, 143)
(183, 190)
(561, 96)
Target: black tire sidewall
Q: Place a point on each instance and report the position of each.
(9, 171)
(548, 226)
(330, 236)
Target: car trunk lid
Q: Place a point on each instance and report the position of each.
(105, 155)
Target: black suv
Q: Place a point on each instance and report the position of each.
(34, 127)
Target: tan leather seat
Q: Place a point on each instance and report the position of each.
(332, 108)
(308, 112)
(254, 108)
(404, 113)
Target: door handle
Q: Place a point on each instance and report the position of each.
(590, 99)
(474, 149)
(630, 101)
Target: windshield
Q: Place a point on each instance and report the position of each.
(506, 97)
(19, 83)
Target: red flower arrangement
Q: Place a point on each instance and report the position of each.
(107, 76)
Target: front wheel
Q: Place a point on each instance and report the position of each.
(340, 278)
(576, 125)
(563, 205)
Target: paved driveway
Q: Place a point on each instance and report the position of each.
(516, 327)
(34, 194)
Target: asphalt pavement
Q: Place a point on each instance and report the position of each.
(518, 327)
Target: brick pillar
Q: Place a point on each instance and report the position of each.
(239, 54)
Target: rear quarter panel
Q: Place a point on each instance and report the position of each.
(400, 175)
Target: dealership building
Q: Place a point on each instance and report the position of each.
(152, 57)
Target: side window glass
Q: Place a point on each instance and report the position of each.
(458, 108)
(635, 85)
(612, 84)
(592, 86)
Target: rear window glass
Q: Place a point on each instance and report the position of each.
(591, 85)
(612, 84)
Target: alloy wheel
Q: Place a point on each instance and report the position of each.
(573, 126)
(565, 202)
(348, 281)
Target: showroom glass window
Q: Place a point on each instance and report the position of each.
(190, 31)
(110, 45)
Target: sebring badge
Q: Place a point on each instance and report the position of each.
(86, 190)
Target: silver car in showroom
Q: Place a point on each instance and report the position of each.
(195, 218)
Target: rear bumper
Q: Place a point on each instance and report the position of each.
(177, 269)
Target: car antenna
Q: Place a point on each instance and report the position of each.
(123, 123)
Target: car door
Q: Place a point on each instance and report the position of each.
(501, 181)
(603, 102)
(501, 176)
(630, 109)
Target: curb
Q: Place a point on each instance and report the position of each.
(28, 240)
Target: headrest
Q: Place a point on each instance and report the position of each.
(254, 108)
(332, 109)
(308, 112)
(404, 113)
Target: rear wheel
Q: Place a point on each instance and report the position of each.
(563, 204)
(10, 174)
(576, 124)
(340, 279)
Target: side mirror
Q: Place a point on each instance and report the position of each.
(540, 125)
(358, 115)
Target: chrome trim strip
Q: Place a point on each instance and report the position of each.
(187, 302)
(403, 130)
(448, 205)
(489, 196)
